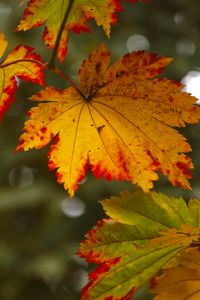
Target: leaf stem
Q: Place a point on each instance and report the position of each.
(54, 70)
(68, 79)
(21, 60)
(51, 64)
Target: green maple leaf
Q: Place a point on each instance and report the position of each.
(146, 233)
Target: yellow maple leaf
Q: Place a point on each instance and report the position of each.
(120, 123)
(21, 62)
(181, 282)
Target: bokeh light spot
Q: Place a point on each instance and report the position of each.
(79, 280)
(178, 18)
(73, 208)
(137, 42)
(5, 9)
(192, 84)
(21, 177)
(185, 47)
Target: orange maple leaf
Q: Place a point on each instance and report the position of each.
(121, 124)
(21, 62)
(180, 282)
(52, 14)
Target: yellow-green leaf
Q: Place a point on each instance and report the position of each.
(146, 235)
(52, 12)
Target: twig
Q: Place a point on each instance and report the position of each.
(51, 64)
(53, 70)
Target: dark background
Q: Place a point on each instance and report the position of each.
(40, 228)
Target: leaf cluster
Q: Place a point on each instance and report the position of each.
(119, 121)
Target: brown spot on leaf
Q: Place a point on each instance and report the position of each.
(98, 66)
(100, 128)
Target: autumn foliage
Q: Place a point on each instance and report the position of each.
(146, 233)
(120, 122)
(52, 13)
(21, 62)
(93, 126)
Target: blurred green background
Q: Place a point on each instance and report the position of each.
(40, 227)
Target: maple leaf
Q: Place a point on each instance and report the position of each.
(146, 233)
(21, 62)
(52, 13)
(120, 126)
(182, 281)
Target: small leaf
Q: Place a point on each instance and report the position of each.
(180, 282)
(146, 235)
(52, 13)
(120, 124)
(183, 236)
(21, 62)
